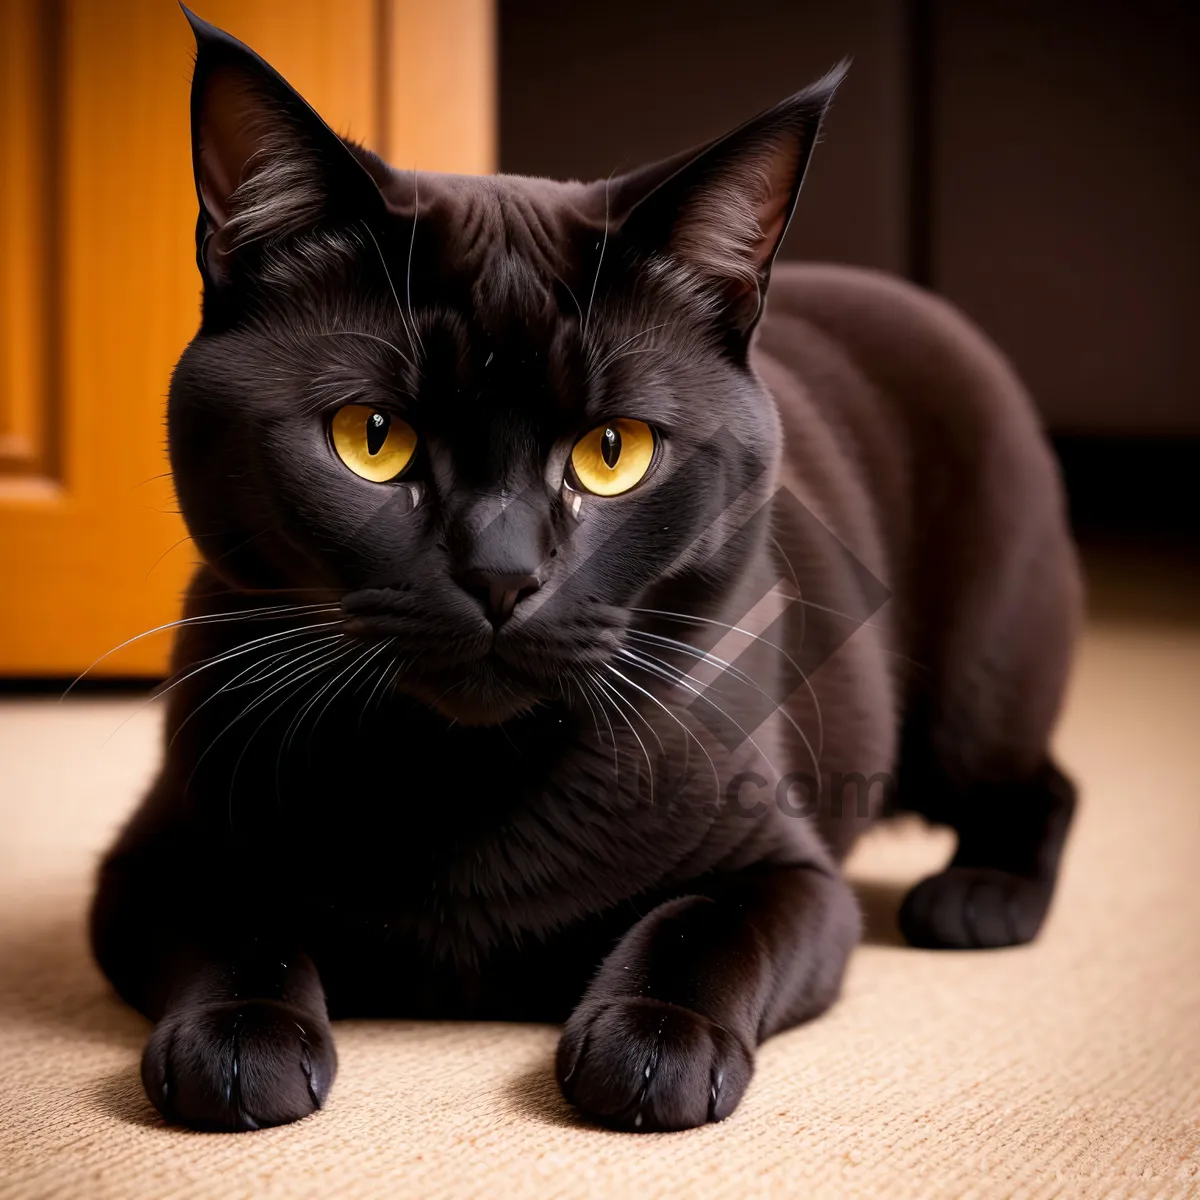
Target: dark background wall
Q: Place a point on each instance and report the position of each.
(1038, 163)
(588, 87)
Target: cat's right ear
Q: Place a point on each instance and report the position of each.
(719, 213)
(265, 163)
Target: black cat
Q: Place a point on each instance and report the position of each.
(482, 471)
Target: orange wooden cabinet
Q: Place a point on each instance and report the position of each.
(98, 286)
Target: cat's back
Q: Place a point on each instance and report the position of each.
(899, 416)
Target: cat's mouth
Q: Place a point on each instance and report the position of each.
(471, 680)
(470, 672)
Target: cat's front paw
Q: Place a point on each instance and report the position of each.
(640, 1064)
(239, 1065)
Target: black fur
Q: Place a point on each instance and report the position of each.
(378, 797)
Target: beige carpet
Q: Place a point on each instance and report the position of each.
(1068, 1068)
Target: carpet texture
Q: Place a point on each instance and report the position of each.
(1068, 1068)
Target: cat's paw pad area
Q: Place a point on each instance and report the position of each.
(973, 908)
(238, 1066)
(639, 1064)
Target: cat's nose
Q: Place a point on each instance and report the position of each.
(500, 594)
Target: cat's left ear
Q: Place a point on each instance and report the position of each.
(721, 214)
(266, 165)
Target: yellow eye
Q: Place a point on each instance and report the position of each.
(614, 456)
(373, 443)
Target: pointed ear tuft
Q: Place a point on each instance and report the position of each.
(265, 163)
(723, 214)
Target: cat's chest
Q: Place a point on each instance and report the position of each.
(428, 838)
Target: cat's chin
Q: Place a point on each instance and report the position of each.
(483, 711)
(479, 699)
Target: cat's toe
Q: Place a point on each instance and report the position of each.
(971, 908)
(238, 1066)
(640, 1064)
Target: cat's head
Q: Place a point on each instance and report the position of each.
(490, 416)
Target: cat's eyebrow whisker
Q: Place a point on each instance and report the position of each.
(372, 337)
(574, 298)
(412, 241)
(615, 353)
(608, 362)
(599, 263)
(399, 308)
(319, 402)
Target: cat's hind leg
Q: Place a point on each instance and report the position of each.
(998, 886)
(975, 754)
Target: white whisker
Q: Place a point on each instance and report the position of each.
(670, 675)
(615, 353)
(214, 661)
(599, 263)
(383, 674)
(606, 687)
(290, 660)
(395, 295)
(412, 241)
(742, 677)
(287, 695)
(371, 337)
(294, 677)
(270, 612)
(690, 734)
(612, 737)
